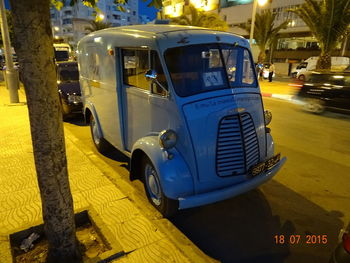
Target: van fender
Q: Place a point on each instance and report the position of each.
(89, 109)
(175, 177)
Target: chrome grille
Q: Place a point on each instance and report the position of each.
(237, 145)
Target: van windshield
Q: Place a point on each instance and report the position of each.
(201, 68)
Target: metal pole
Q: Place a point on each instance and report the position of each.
(253, 23)
(11, 73)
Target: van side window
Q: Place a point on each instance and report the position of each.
(248, 72)
(93, 62)
(156, 65)
(135, 66)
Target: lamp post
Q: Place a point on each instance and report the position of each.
(11, 74)
(255, 4)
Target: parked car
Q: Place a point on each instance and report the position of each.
(69, 88)
(326, 90)
(342, 252)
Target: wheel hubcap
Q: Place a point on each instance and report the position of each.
(152, 184)
(95, 132)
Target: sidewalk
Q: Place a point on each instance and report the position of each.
(148, 239)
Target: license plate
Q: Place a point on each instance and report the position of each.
(264, 166)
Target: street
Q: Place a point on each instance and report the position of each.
(296, 217)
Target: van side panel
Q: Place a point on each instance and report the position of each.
(98, 83)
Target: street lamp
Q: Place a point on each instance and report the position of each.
(255, 3)
(101, 16)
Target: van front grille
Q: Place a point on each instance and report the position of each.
(237, 146)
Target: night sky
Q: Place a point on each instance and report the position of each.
(143, 9)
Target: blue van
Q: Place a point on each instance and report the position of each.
(184, 104)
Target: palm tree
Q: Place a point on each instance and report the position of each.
(328, 21)
(265, 31)
(199, 18)
(97, 25)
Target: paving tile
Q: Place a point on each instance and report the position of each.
(135, 233)
(116, 212)
(161, 251)
(101, 195)
(20, 217)
(20, 198)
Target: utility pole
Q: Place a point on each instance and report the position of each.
(11, 74)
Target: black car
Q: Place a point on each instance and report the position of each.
(326, 91)
(69, 88)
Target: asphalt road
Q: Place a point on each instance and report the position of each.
(306, 203)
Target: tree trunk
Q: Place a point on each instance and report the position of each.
(34, 48)
(262, 56)
(324, 61)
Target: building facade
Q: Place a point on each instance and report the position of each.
(70, 22)
(295, 43)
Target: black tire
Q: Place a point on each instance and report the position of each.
(301, 77)
(166, 206)
(100, 143)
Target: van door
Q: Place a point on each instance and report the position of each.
(145, 111)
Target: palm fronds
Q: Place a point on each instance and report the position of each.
(328, 21)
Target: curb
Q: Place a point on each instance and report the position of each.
(278, 96)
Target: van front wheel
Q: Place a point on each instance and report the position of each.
(100, 143)
(166, 206)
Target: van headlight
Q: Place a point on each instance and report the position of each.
(167, 139)
(268, 117)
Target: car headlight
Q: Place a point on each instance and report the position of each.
(72, 98)
(268, 117)
(167, 139)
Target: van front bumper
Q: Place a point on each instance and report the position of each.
(226, 193)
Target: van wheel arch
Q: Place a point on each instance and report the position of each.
(87, 116)
(136, 161)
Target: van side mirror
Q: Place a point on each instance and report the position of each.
(151, 75)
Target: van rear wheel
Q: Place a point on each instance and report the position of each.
(166, 206)
(100, 143)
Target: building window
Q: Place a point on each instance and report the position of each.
(117, 17)
(67, 13)
(134, 13)
(67, 21)
(128, 19)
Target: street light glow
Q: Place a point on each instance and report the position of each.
(56, 28)
(262, 2)
(101, 16)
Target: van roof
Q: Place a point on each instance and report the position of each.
(154, 29)
(167, 35)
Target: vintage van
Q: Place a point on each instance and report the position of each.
(185, 105)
